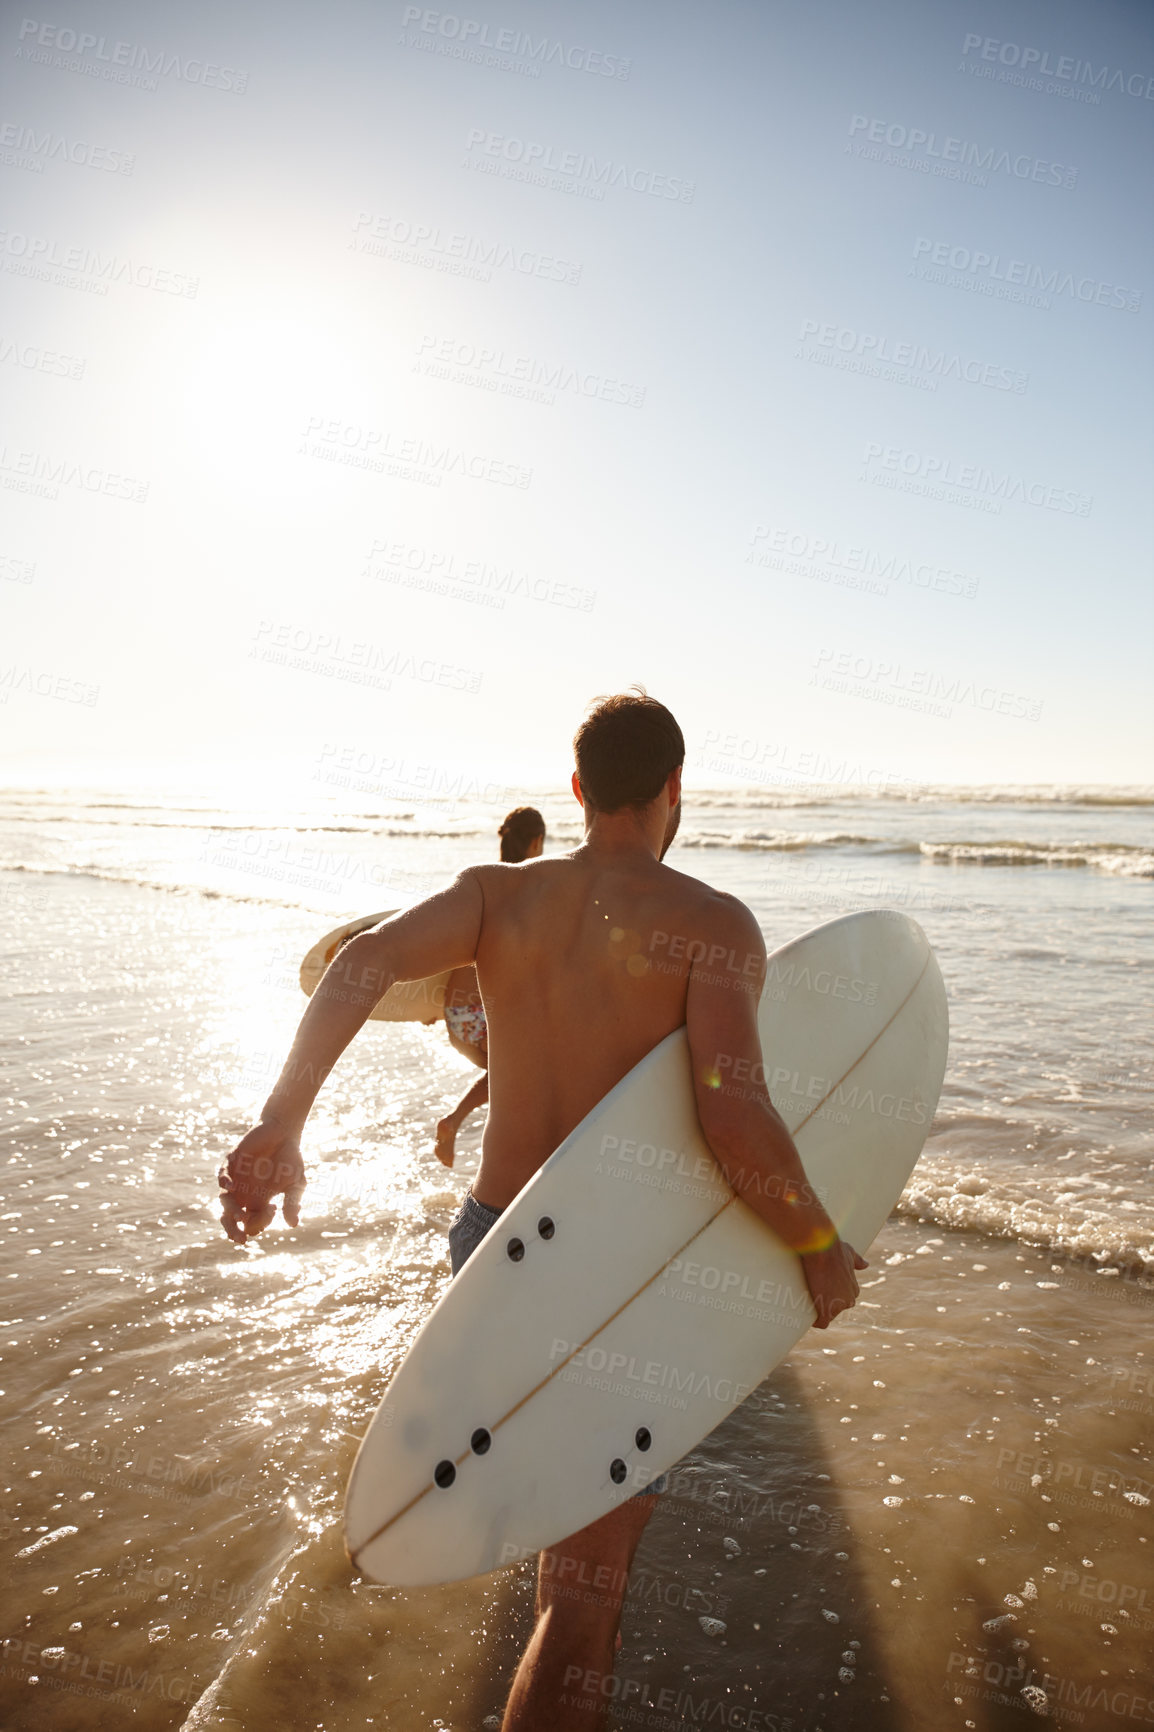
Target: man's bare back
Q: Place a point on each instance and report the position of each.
(578, 986)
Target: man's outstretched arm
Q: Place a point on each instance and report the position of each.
(437, 934)
(748, 1137)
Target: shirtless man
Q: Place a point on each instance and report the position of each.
(580, 981)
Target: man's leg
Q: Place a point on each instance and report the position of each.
(562, 1681)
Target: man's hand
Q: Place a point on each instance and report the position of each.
(264, 1163)
(832, 1280)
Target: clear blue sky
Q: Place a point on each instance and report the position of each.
(775, 359)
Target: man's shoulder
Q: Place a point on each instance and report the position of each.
(697, 890)
(713, 906)
(504, 876)
(510, 870)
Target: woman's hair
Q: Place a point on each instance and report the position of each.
(625, 749)
(519, 831)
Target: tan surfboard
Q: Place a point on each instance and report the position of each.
(407, 1001)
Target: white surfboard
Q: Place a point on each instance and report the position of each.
(627, 1300)
(407, 1001)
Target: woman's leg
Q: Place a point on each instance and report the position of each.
(474, 1097)
(448, 1127)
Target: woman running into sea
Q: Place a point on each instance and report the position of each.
(522, 837)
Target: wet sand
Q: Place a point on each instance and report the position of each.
(935, 1507)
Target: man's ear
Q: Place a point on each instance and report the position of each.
(576, 786)
(674, 785)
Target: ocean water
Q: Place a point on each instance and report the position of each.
(936, 1514)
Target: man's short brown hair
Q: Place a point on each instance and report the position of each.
(625, 750)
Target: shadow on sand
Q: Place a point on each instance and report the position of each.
(751, 1535)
